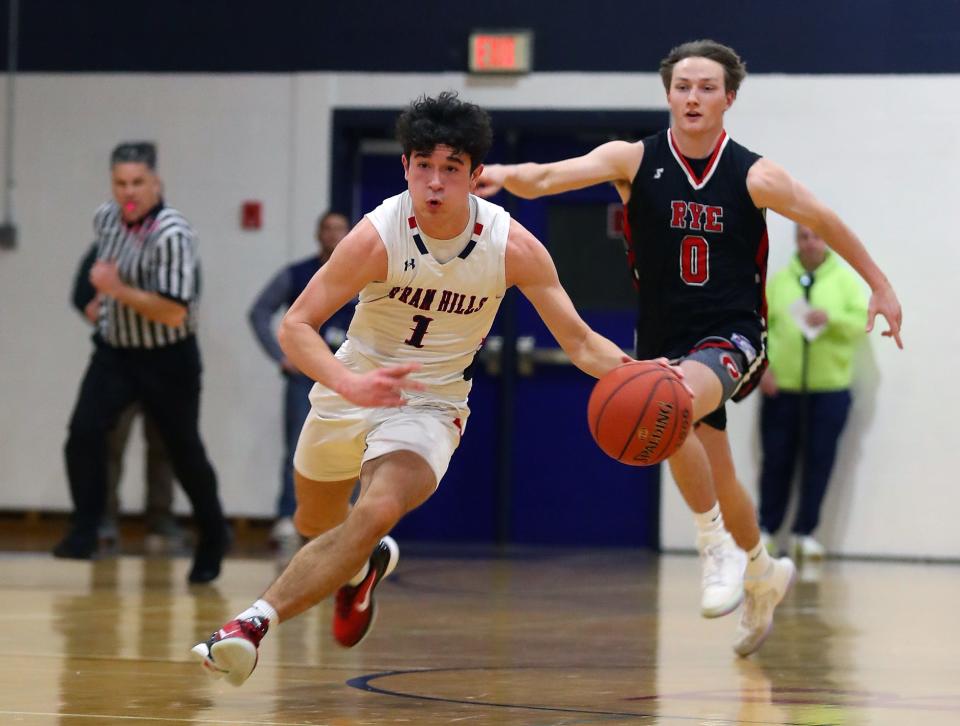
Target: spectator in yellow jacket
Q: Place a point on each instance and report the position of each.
(817, 315)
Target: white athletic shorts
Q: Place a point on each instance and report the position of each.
(338, 437)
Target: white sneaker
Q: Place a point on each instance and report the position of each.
(760, 599)
(722, 564)
(805, 547)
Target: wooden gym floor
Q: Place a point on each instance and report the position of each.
(528, 637)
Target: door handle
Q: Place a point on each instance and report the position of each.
(489, 354)
(528, 355)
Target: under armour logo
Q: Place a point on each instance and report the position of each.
(410, 264)
(658, 173)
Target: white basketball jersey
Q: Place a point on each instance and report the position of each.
(433, 313)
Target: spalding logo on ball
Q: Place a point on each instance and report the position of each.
(640, 413)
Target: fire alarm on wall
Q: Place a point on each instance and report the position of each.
(251, 215)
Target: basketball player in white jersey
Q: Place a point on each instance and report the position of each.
(431, 266)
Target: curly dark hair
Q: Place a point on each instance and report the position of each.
(734, 69)
(429, 122)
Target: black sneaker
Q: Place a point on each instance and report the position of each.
(208, 555)
(77, 545)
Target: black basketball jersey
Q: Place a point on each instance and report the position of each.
(698, 248)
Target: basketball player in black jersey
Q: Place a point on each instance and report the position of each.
(694, 211)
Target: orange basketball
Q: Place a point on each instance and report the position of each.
(639, 413)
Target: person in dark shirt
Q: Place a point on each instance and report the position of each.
(280, 292)
(695, 225)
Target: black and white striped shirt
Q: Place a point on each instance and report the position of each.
(158, 255)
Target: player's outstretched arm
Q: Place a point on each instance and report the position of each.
(771, 187)
(359, 259)
(530, 267)
(615, 161)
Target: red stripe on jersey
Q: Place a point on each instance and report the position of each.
(477, 229)
(722, 344)
(412, 221)
(761, 260)
(710, 163)
(631, 252)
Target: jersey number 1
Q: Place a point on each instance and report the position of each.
(419, 331)
(694, 260)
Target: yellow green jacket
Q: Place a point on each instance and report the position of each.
(836, 289)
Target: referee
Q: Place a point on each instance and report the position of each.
(147, 274)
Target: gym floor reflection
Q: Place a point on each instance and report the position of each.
(531, 637)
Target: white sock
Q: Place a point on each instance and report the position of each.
(358, 578)
(758, 561)
(261, 609)
(709, 523)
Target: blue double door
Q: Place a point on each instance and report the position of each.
(527, 470)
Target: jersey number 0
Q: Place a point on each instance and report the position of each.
(694, 260)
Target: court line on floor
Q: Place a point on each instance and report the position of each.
(363, 683)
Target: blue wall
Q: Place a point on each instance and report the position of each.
(841, 36)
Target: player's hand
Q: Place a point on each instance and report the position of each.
(675, 370)
(666, 364)
(381, 387)
(883, 301)
(491, 180)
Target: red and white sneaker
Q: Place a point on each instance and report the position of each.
(355, 609)
(231, 652)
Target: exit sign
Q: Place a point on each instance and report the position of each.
(502, 51)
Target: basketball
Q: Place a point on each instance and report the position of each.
(639, 413)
